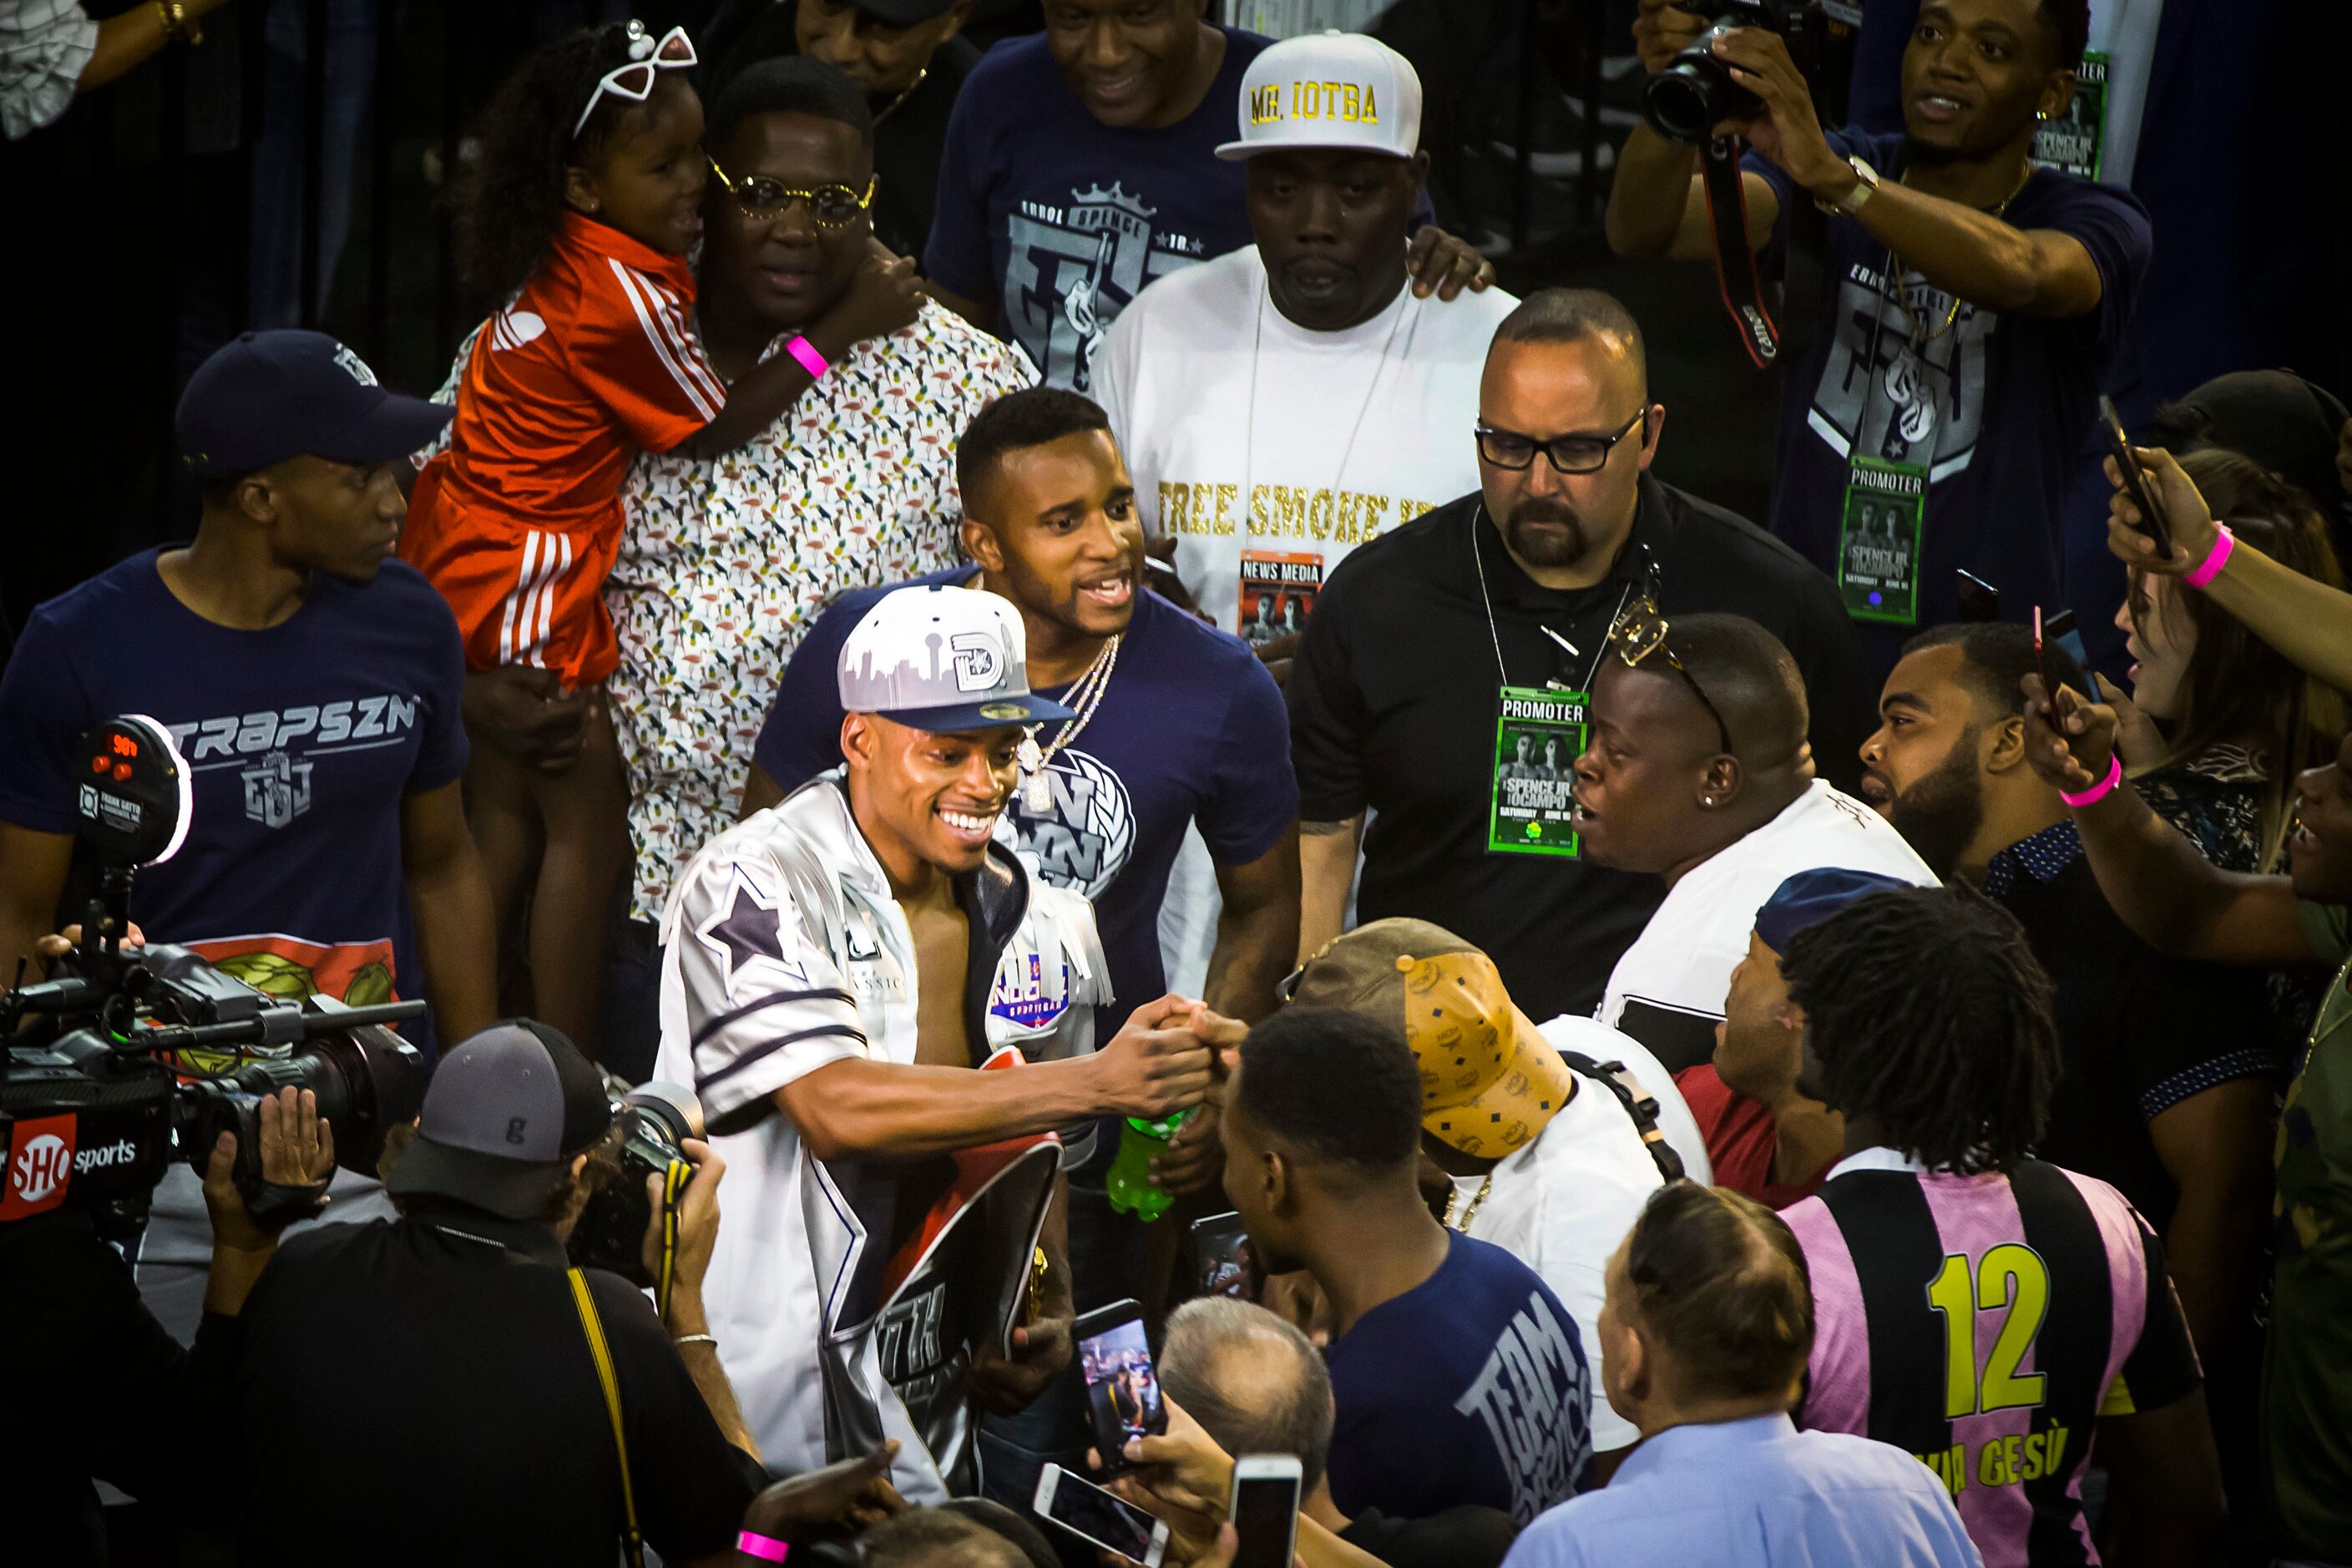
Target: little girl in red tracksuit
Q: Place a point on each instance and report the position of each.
(587, 198)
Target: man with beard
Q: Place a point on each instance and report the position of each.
(1176, 724)
(1492, 612)
(2165, 1091)
(1970, 304)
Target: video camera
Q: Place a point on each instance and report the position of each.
(143, 1055)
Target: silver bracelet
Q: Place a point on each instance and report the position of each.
(710, 1340)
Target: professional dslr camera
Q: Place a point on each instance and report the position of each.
(143, 1056)
(1686, 100)
(654, 1120)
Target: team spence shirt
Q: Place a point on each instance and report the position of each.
(1470, 1387)
(303, 742)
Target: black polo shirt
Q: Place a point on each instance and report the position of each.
(2139, 1033)
(420, 1390)
(1394, 706)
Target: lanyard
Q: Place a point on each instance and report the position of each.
(1494, 635)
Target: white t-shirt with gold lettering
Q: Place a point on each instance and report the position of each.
(1353, 432)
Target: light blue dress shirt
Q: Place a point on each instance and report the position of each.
(1755, 1494)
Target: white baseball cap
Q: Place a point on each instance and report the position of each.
(942, 658)
(1330, 89)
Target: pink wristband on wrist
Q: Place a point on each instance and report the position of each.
(2099, 791)
(813, 363)
(2211, 567)
(767, 1548)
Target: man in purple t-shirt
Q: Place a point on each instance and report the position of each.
(1969, 303)
(1972, 1305)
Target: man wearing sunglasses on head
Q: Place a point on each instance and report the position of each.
(1489, 616)
(1698, 774)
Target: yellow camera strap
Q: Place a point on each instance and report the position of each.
(633, 1544)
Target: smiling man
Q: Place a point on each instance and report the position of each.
(1274, 404)
(833, 969)
(1079, 167)
(1971, 303)
(1175, 727)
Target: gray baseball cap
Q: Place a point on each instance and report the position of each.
(942, 658)
(504, 1115)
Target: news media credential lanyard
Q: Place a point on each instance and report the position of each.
(1249, 409)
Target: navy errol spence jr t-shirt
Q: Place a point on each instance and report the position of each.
(1998, 409)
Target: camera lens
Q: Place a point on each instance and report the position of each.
(1680, 102)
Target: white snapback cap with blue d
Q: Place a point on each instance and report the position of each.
(1338, 90)
(942, 658)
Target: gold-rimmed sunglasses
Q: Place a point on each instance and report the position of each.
(1639, 631)
(831, 206)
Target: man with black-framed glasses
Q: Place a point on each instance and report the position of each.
(1435, 645)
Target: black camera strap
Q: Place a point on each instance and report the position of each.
(1734, 260)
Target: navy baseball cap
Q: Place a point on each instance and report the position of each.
(1809, 897)
(504, 1115)
(273, 396)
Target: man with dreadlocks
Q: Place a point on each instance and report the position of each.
(1972, 1304)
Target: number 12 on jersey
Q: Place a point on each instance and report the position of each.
(2012, 1280)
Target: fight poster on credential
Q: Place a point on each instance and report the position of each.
(1278, 593)
(1539, 735)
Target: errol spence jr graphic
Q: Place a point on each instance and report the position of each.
(1883, 395)
(1071, 270)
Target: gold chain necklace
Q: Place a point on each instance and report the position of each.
(1453, 1192)
(903, 96)
(1920, 336)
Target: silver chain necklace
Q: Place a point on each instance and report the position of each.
(1085, 695)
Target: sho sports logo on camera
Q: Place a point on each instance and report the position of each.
(40, 1164)
(105, 1157)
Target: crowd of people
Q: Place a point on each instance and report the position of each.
(1135, 736)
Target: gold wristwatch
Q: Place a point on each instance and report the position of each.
(1865, 186)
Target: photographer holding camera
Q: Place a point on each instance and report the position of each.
(1969, 303)
(94, 1386)
(444, 1387)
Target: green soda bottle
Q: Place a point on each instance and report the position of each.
(1129, 1181)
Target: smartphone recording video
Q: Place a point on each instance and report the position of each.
(1122, 1388)
(1111, 1522)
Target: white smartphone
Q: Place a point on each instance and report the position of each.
(1111, 1522)
(1264, 1510)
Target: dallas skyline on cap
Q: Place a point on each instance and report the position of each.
(942, 659)
(1340, 91)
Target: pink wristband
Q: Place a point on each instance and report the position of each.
(2211, 567)
(813, 363)
(767, 1548)
(2099, 791)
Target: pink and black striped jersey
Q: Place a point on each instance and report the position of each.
(1984, 1323)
